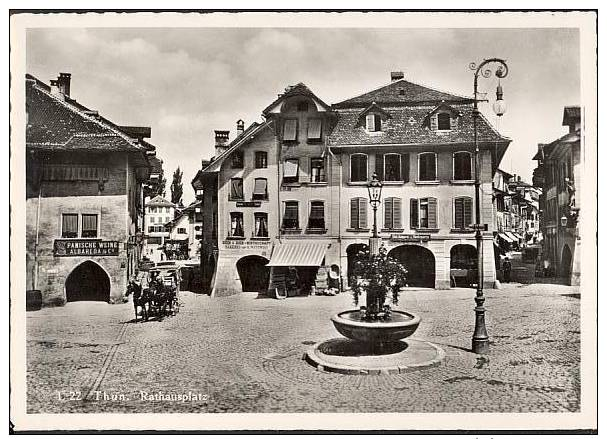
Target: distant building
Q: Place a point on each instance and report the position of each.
(83, 196)
(158, 212)
(559, 173)
(525, 198)
(185, 233)
(292, 191)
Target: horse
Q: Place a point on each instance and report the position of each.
(140, 298)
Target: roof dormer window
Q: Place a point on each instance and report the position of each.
(373, 122)
(443, 121)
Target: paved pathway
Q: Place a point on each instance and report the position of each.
(244, 354)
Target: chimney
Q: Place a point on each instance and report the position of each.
(397, 76)
(239, 127)
(221, 141)
(63, 81)
(55, 88)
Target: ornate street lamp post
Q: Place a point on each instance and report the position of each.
(480, 339)
(374, 187)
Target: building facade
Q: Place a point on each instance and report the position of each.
(83, 197)
(185, 233)
(559, 174)
(158, 213)
(292, 191)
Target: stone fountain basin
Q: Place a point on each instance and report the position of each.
(402, 325)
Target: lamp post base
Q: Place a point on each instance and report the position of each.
(374, 245)
(480, 346)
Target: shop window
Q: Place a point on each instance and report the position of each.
(69, 225)
(89, 226)
(373, 122)
(291, 171)
(423, 213)
(392, 213)
(462, 215)
(290, 219)
(462, 166)
(358, 168)
(317, 170)
(236, 225)
(444, 121)
(236, 191)
(314, 130)
(358, 213)
(392, 167)
(261, 225)
(261, 159)
(427, 166)
(317, 215)
(290, 130)
(260, 190)
(237, 160)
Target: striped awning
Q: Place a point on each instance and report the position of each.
(505, 237)
(512, 236)
(298, 254)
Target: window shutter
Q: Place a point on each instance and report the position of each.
(431, 166)
(362, 213)
(397, 213)
(467, 212)
(432, 214)
(413, 213)
(377, 124)
(459, 213)
(379, 166)
(354, 213)
(314, 129)
(404, 163)
(388, 213)
(290, 130)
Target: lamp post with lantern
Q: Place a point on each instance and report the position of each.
(480, 338)
(374, 187)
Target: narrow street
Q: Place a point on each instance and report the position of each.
(244, 354)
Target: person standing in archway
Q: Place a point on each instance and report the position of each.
(507, 269)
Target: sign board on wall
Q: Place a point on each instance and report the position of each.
(85, 247)
(409, 238)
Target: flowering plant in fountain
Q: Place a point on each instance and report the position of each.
(378, 277)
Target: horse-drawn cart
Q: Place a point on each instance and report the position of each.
(155, 292)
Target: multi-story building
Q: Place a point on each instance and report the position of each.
(185, 233)
(83, 196)
(292, 191)
(559, 172)
(526, 199)
(158, 212)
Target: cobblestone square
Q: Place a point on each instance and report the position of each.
(244, 354)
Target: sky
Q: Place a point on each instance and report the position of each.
(187, 82)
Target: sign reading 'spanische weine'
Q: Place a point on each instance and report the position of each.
(85, 247)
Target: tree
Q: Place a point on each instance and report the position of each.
(177, 187)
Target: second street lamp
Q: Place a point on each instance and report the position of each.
(374, 187)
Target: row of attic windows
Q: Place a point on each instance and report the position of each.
(373, 122)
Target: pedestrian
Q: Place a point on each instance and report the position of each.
(546, 267)
(507, 269)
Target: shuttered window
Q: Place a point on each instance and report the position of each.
(69, 225)
(358, 213)
(74, 173)
(291, 171)
(290, 130)
(444, 121)
(392, 213)
(236, 192)
(260, 190)
(392, 167)
(462, 212)
(373, 122)
(290, 219)
(89, 226)
(314, 129)
(427, 166)
(317, 215)
(413, 213)
(462, 166)
(405, 167)
(358, 168)
(424, 213)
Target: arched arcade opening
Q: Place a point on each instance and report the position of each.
(463, 266)
(566, 259)
(352, 253)
(88, 281)
(253, 273)
(419, 262)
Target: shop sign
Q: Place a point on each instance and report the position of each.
(248, 203)
(85, 247)
(410, 238)
(246, 245)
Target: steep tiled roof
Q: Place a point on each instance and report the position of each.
(159, 201)
(56, 123)
(155, 163)
(401, 92)
(299, 89)
(408, 126)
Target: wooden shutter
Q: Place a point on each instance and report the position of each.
(397, 213)
(467, 212)
(362, 213)
(388, 213)
(290, 130)
(314, 129)
(354, 213)
(404, 163)
(379, 166)
(459, 213)
(432, 214)
(413, 213)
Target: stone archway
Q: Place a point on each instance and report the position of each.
(419, 262)
(352, 252)
(253, 273)
(566, 259)
(463, 266)
(88, 281)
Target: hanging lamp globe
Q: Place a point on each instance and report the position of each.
(499, 106)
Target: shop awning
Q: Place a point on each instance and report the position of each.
(298, 254)
(512, 236)
(505, 237)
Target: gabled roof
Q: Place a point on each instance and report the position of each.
(445, 106)
(159, 201)
(375, 108)
(295, 90)
(402, 92)
(60, 123)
